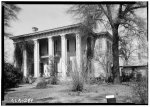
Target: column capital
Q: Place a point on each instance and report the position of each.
(63, 35)
(78, 35)
(50, 37)
(35, 40)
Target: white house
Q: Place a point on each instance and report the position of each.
(66, 44)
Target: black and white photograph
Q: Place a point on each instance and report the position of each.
(74, 53)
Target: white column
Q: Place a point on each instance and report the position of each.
(24, 63)
(50, 46)
(36, 59)
(64, 56)
(79, 52)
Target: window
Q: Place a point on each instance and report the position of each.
(67, 45)
(75, 45)
(55, 46)
(107, 46)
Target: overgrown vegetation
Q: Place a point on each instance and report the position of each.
(77, 78)
(12, 76)
(52, 71)
(18, 55)
(140, 87)
(40, 83)
(141, 90)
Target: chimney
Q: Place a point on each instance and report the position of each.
(34, 29)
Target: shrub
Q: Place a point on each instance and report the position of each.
(141, 90)
(31, 79)
(110, 79)
(12, 76)
(97, 80)
(139, 77)
(40, 83)
(126, 77)
(54, 80)
(77, 79)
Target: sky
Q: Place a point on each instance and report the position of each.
(42, 16)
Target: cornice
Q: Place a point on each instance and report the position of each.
(46, 33)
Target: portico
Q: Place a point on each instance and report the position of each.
(64, 42)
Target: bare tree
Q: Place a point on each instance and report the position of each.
(126, 49)
(113, 16)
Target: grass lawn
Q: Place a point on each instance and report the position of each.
(62, 93)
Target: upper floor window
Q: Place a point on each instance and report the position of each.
(109, 47)
(100, 44)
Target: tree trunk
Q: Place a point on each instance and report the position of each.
(115, 72)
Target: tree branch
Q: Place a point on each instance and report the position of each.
(100, 6)
(137, 7)
(130, 8)
(109, 14)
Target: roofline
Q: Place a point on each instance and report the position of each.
(45, 31)
(128, 66)
(105, 33)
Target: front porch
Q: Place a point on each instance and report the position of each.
(62, 47)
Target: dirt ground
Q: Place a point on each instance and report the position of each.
(62, 94)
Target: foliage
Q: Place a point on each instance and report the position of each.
(53, 73)
(86, 69)
(97, 80)
(139, 77)
(88, 58)
(126, 77)
(10, 13)
(113, 16)
(12, 76)
(18, 54)
(77, 78)
(126, 49)
(30, 79)
(141, 90)
(40, 83)
(101, 58)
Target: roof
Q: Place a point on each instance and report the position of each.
(46, 31)
(105, 34)
(136, 66)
